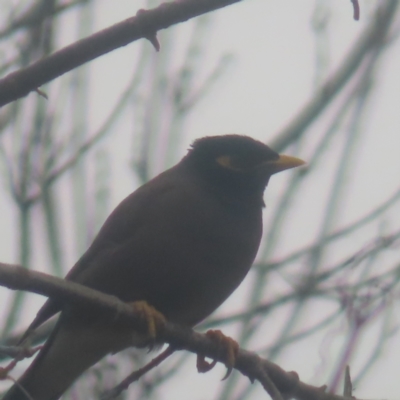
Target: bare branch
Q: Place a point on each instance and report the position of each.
(179, 337)
(145, 25)
(348, 386)
(134, 376)
(376, 35)
(356, 8)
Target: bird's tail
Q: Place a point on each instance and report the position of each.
(68, 352)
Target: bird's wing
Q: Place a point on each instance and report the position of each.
(122, 224)
(140, 209)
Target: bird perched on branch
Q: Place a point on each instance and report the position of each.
(182, 243)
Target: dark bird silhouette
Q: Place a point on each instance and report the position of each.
(182, 242)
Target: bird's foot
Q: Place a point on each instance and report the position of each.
(227, 346)
(153, 318)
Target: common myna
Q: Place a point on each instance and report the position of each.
(182, 243)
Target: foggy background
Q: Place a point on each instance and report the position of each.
(324, 290)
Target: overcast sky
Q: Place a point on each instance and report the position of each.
(273, 72)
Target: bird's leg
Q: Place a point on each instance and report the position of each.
(227, 346)
(153, 318)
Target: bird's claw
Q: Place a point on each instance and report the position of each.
(204, 366)
(153, 318)
(227, 346)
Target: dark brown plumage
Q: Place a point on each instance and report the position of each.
(182, 242)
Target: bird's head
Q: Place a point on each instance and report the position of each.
(238, 165)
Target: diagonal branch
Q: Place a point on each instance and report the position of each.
(144, 25)
(376, 35)
(179, 337)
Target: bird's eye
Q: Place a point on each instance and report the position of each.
(237, 163)
(241, 164)
(227, 162)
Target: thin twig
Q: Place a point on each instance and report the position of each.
(136, 375)
(356, 10)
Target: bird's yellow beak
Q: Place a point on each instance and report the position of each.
(284, 162)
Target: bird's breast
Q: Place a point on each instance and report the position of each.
(204, 259)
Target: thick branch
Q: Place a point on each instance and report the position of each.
(144, 25)
(179, 337)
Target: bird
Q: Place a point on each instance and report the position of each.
(182, 243)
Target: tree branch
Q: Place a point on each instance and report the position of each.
(144, 25)
(179, 337)
(375, 36)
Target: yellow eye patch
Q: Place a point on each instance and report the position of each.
(226, 162)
